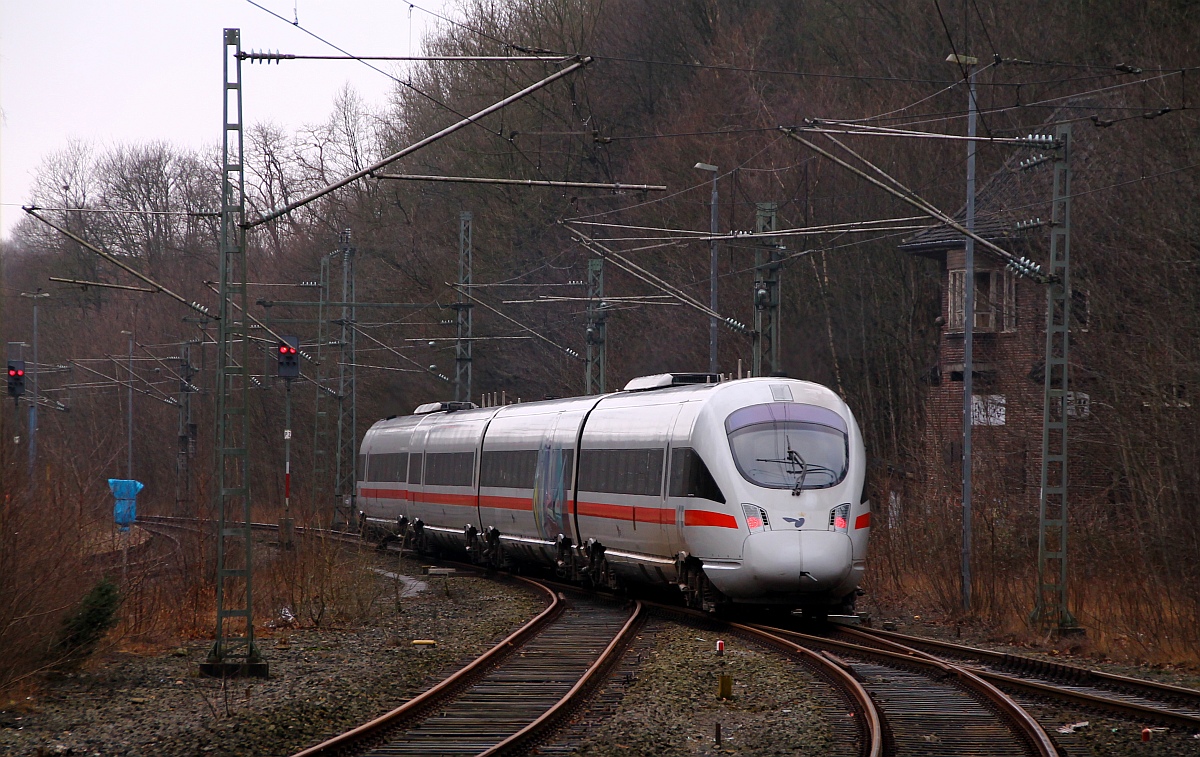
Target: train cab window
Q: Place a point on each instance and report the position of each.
(621, 471)
(789, 445)
(415, 461)
(450, 468)
(690, 477)
(390, 467)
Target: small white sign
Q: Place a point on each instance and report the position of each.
(287, 434)
(987, 410)
(1079, 405)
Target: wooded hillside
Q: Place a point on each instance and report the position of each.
(670, 85)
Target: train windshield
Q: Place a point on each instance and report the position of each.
(784, 445)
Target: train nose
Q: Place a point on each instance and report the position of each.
(798, 560)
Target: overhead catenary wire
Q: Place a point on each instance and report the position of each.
(126, 211)
(268, 57)
(120, 264)
(408, 84)
(370, 170)
(818, 126)
(397, 353)
(570, 352)
(693, 235)
(1021, 266)
(637, 271)
(615, 186)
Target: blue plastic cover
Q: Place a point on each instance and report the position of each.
(125, 509)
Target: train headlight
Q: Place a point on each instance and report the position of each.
(839, 518)
(756, 518)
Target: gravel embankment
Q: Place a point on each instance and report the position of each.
(323, 681)
(671, 705)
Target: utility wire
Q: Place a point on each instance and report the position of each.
(399, 81)
(570, 352)
(1020, 265)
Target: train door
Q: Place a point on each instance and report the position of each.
(675, 500)
(416, 506)
(552, 480)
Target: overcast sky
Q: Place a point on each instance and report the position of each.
(128, 71)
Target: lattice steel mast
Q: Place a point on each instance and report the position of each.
(1051, 608)
(766, 293)
(344, 513)
(462, 345)
(233, 654)
(594, 367)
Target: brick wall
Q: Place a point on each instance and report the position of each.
(1006, 458)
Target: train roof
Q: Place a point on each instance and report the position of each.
(659, 389)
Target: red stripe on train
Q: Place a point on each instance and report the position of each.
(863, 521)
(384, 493)
(506, 503)
(708, 518)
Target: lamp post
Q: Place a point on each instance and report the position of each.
(129, 412)
(712, 266)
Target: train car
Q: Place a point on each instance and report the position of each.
(749, 491)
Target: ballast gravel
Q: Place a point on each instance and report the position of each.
(323, 681)
(667, 703)
(661, 701)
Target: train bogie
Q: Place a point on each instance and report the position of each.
(744, 491)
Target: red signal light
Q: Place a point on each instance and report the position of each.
(12, 371)
(292, 350)
(283, 348)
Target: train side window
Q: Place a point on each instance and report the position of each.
(450, 468)
(621, 471)
(362, 467)
(508, 469)
(690, 476)
(390, 467)
(415, 461)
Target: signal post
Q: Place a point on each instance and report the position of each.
(289, 370)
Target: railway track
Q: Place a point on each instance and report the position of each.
(929, 706)
(1132, 698)
(907, 695)
(512, 696)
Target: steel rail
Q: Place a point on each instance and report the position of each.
(546, 722)
(866, 711)
(870, 721)
(1119, 706)
(1048, 667)
(1025, 724)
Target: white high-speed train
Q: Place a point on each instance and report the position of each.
(747, 491)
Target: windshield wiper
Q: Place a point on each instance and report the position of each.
(800, 469)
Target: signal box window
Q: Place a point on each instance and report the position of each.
(995, 301)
